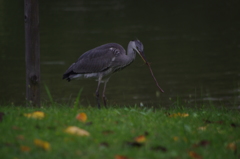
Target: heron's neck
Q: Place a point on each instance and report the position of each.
(130, 53)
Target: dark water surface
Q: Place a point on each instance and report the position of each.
(193, 48)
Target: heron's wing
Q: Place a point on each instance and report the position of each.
(98, 59)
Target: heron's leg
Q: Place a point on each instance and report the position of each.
(97, 92)
(103, 94)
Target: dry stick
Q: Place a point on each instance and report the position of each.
(154, 77)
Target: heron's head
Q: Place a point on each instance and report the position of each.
(138, 48)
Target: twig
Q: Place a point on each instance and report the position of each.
(154, 77)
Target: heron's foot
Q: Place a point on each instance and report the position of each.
(97, 97)
(105, 101)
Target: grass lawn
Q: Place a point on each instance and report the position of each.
(120, 133)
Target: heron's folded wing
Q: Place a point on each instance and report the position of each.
(97, 60)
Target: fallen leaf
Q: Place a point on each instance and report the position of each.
(235, 125)
(88, 123)
(25, 148)
(73, 130)
(134, 144)
(202, 128)
(179, 115)
(194, 155)
(175, 138)
(35, 115)
(104, 144)
(121, 157)
(232, 146)
(42, 144)
(16, 128)
(159, 148)
(107, 132)
(20, 137)
(207, 121)
(140, 139)
(81, 117)
(217, 122)
(202, 143)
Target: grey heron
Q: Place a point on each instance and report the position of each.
(102, 61)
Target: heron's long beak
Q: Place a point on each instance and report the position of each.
(142, 56)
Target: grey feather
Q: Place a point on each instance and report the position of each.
(103, 61)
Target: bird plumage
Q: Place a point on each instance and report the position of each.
(103, 61)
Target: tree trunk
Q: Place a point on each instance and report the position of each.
(32, 52)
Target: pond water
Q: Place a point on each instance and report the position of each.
(193, 48)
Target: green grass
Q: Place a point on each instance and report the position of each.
(112, 132)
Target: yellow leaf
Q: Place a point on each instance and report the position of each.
(42, 144)
(73, 130)
(35, 115)
(81, 117)
(175, 138)
(179, 115)
(25, 148)
(140, 139)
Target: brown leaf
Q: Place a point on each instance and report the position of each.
(25, 148)
(134, 144)
(207, 121)
(216, 122)
(194, 155)
(202, 143)
(159, 148)
(16, 128)
(220, 122)
(232, 146)
(104, 144)
(121, 157)
(88, 123)
(235, 125)
(20, 137)
(107, 132)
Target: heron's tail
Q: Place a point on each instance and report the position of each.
(69, 72)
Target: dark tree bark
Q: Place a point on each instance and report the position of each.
(32, 52)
